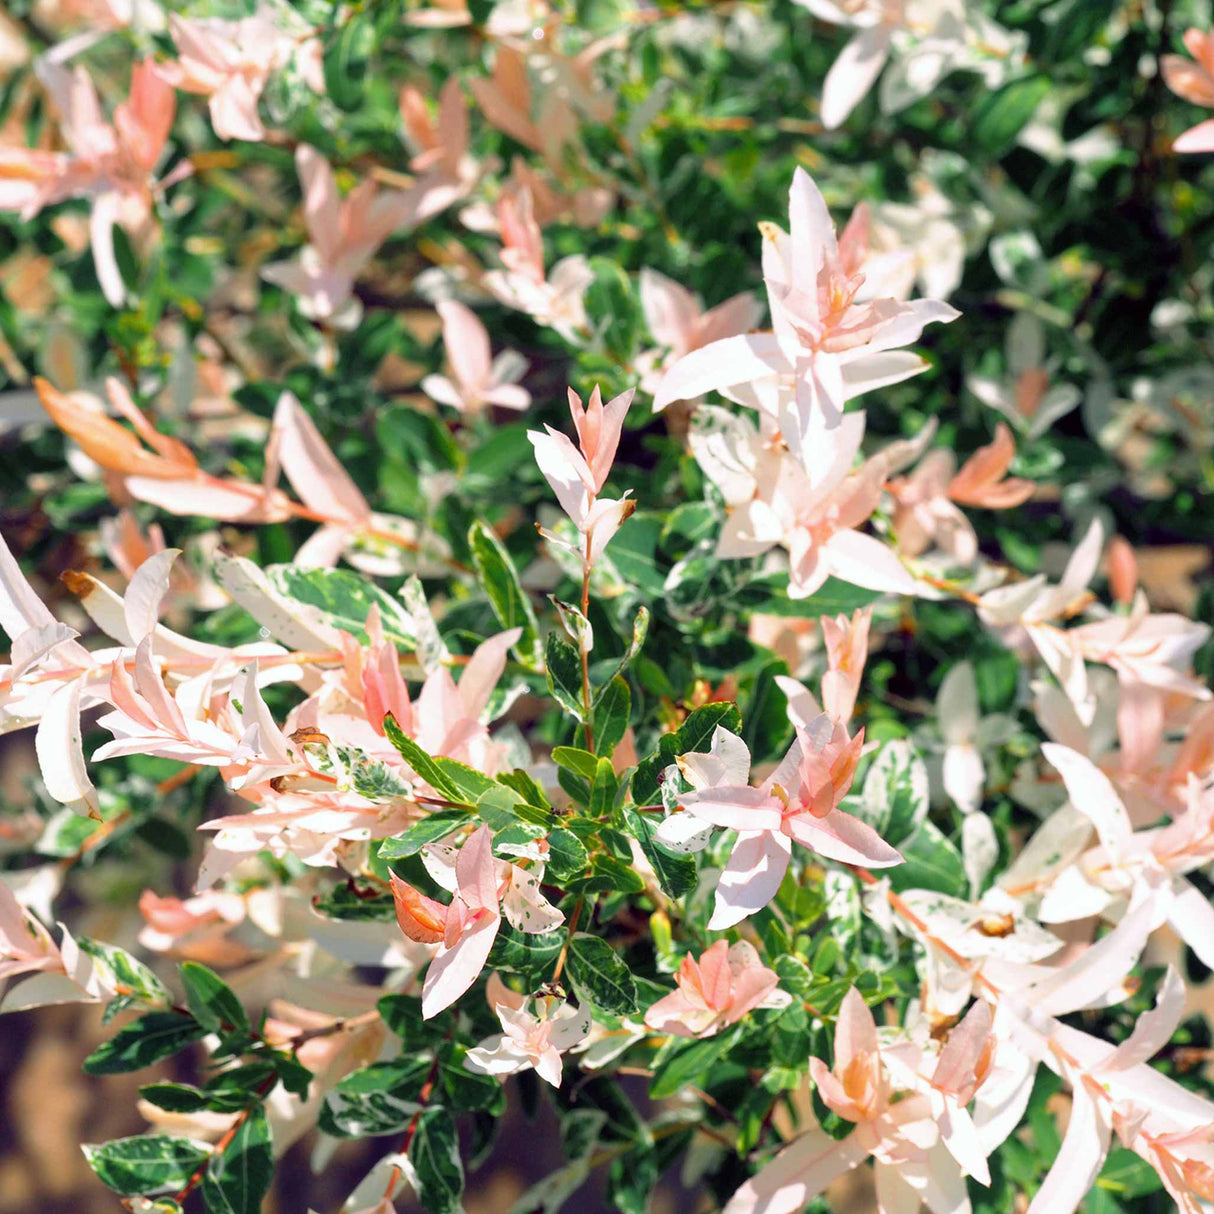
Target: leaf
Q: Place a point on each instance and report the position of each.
(434, 1154)
(294, 624)
(118, 968)
(609, 874)
(633, 556)
(695, 734)
(574, 759)
(377, 1099)
(564, 668)
(433, 827)
(509, 600)
(212, 1001)
(567, 857)
(611, 713)
(600, 976)
(146, 1165)
(150, 1038)
(174, 1097)
(1001, 115)
(238, 1178)
(603, 789)
(469, 783)
(234, 1090)
(530, 955)
(422, 763)
(930, 861)
(631, 1179)
(342, 599)
(681, 1062)
(345, 62)
(350, 903)
(676, 871)
(769, 595)
(470, 1091)
(402, 1015)
(578, 627)
(495, 807)
(640, 630)
(895, 797)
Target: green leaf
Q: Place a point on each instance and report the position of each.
(611, 713)
(495, 807)
(895, 797)
(530, 955)
(469, 1091)
(238, 1178)
(421, 762)
(342, 599)
(631, 1179)
(345, 62)
(377, 1099)
(564, 668)
(402, 1015)
(417, 440)
(695, 734)
(682, 1062)
(676, 871)
(930, 861)
(150, 1038)
(769, 595)
(212, 1001)
(434, 1154)
(430, 829)
(609, 874)
(640, 630)
(633, 556)
(1128, 1175)
(352, 903)
(509, 600)
(174, 1097)
(603, 789)
(612, 309)
(235, 1089)
(146, 1165)
(567, 857)
(469, 783)
(574, 759)
(118, 968)
(600, 976)
(1001, 115)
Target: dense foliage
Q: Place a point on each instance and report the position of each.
(637, 560)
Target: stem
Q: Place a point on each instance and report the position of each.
(573, 921)
(586, 725)
(195, 1180)
(396, 1175)
(338, 1026)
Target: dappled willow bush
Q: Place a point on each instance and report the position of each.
(482, 608)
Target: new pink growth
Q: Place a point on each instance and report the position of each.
(727, 983)
(109, 164)
(477, 379)
(482, 888)
(343, 235)
(856, 1087)
(577, 474)
(846, 652)
(1194, 81)
(797, 802)
(228, 62)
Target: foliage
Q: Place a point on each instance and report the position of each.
(453, 562)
